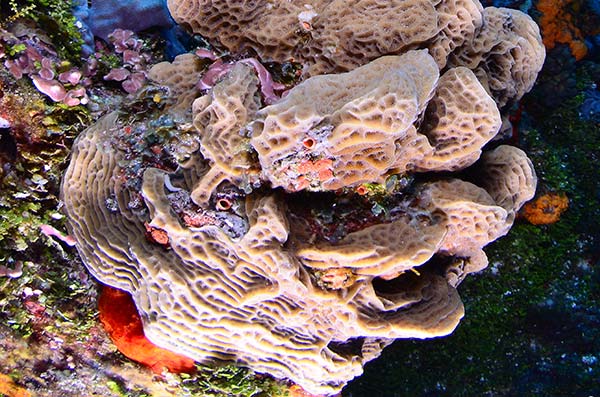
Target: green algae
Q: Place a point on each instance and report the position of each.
(504, 345)
(50, 308)
(54, 17)
(54, 297)
(230, 380)
(31, 173)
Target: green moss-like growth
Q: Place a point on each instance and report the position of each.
(33, 158)
(232, 381)
(505, 345)
(54, 17)
(49, 333)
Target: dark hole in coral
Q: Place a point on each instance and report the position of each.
(431, 120)
(41, 366)
(8, 145)
(328, 216)
(287, 72)
(223, 204)
(438, 264)
(400, 283)
(350, 348)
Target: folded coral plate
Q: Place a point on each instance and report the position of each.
(255, 241)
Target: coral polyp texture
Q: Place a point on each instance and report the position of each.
(302, 237)
(363, 124)
(332, 36)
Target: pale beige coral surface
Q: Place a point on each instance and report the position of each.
(506, 54)
(331, 35)
(369, 122)
(249, 299)
(238, 276)
(339, 35)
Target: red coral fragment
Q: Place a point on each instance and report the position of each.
(157, 235)
(197, 220)
(36, 309)
(320, 170)
(122, 322)
(362, 190)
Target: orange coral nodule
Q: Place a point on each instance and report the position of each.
(362, 190)
(578, 49)
(545, 209)
(223, 204)
(8, 388)
(157, 235)
(308, 143)
(558, 26)
(122, 322)
(322, 168)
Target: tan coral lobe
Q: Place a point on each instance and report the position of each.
(264, 248)
(372, 121)
(211, 296)
(506, 54)
(345, 34)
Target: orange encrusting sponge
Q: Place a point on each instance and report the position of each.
(122, 322)
(558, 26)
(545, 209)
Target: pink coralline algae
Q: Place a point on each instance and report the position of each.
(15, 272)
(117, 74)
(267, 85)
(72, 76)
(55, 90)
(132, 74)
(219, 68)
(124, 40)
(41, 63)
(67, 84)
(51, 231)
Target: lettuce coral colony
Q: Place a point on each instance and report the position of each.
(225, 238)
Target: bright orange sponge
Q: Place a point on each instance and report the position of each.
(121, 320)
(559, 25)
(8, 388)
(545, 209)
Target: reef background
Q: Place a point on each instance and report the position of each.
(533, 316)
